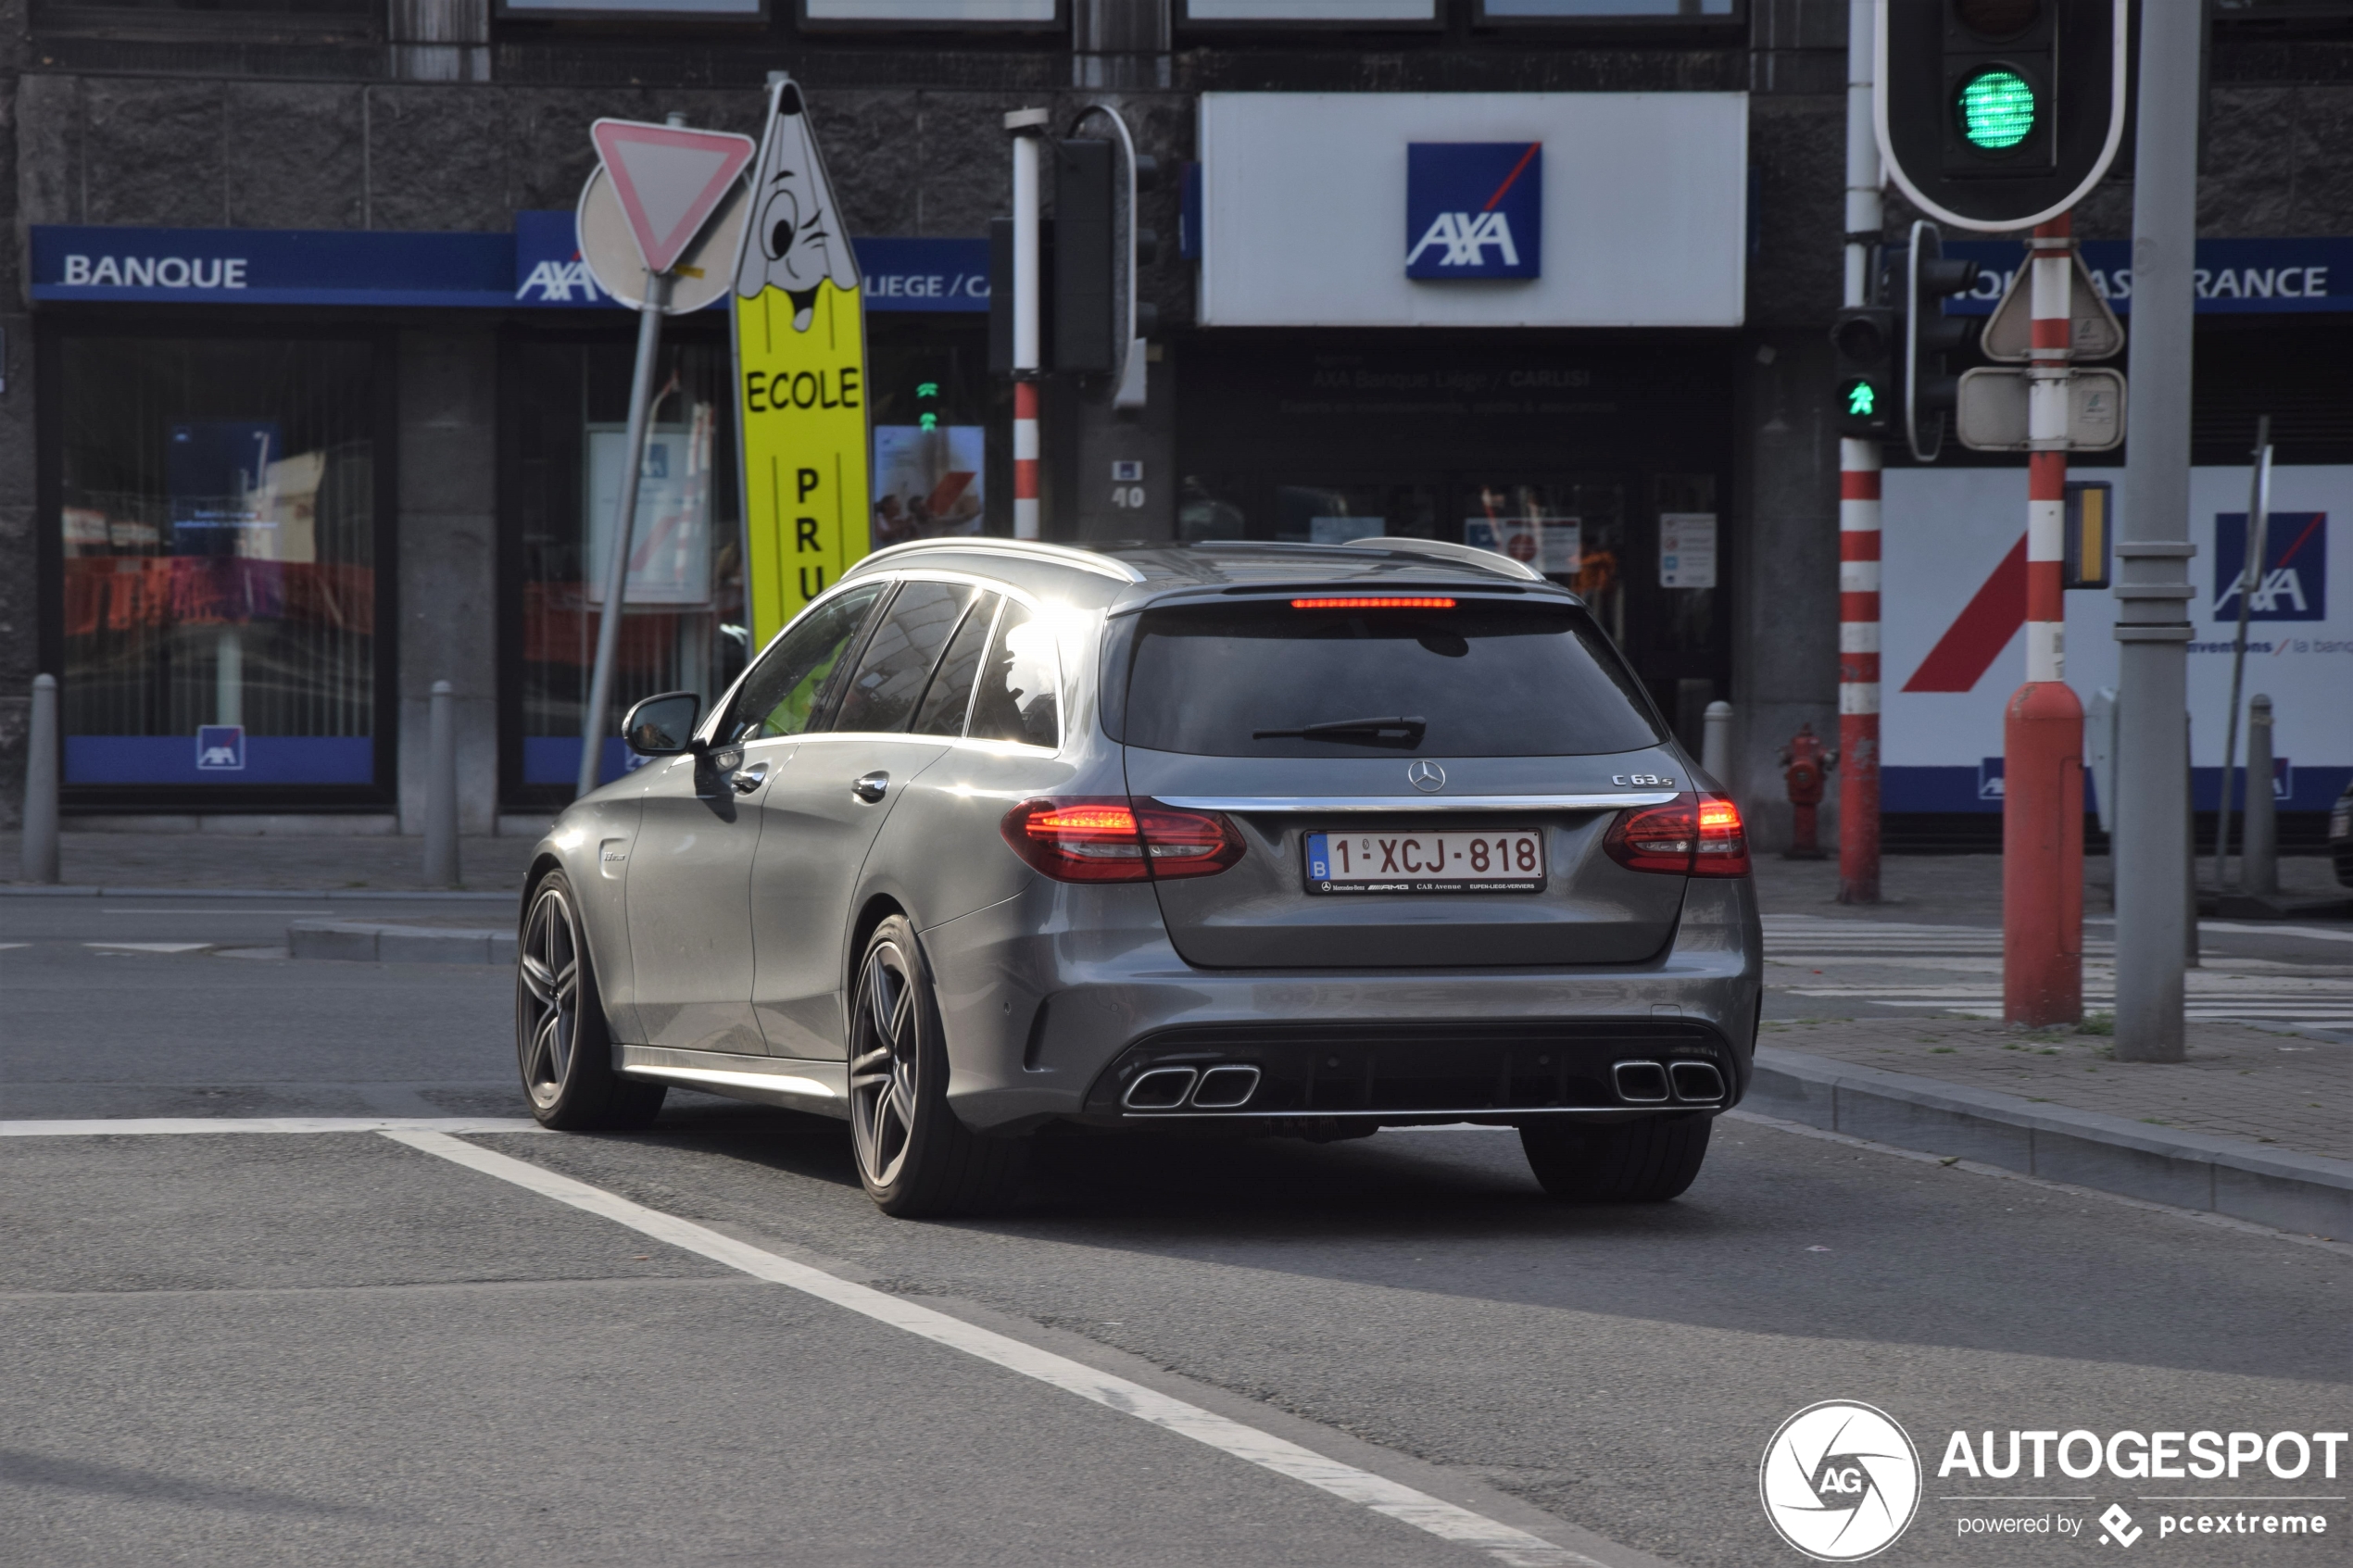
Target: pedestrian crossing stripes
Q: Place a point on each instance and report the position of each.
(1957, 969)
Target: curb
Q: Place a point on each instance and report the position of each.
(24, 890)
(2304, 1193)
(356, 942)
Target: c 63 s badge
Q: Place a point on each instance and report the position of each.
(1840, 1480)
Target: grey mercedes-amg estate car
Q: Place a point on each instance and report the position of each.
(997, 838)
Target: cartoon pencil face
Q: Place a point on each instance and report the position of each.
(795, 239)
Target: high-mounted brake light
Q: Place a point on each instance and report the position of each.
(1114, 838)
(1691, 836)
(1384, 602)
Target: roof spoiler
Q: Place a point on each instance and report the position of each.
(1454, 554)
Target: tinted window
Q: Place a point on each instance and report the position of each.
(899, 657)
(786, 692)
(951, 691)
(1016, 698)
(1489, 680)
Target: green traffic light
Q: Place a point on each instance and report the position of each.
(1862, 400)
(1998, 109)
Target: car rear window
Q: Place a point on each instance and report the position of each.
(1487, 679)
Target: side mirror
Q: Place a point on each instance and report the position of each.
(663, 725)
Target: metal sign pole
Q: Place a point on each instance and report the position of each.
(1858, 507)
(2156, 908)
(641, 397)
(2258, 517)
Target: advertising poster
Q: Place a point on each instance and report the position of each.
(1955, 578)
(800, 358)
(928, 482)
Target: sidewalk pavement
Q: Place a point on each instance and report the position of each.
(320, 863)
(1967, 889)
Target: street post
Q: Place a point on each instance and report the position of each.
(2156, 908)
(1026, 127)
(1858, 506)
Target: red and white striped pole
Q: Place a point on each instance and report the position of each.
(1858, 557)
(1858, 504)
(2042, 730)
(1027, 125)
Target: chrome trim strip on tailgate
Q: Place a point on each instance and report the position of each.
(1416, 803)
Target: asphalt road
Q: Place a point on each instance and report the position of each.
(249, 1349)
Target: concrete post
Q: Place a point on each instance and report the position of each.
(1716, 750)
(2259, 857)
(441, 790)
(40, 845)
(2153, 552)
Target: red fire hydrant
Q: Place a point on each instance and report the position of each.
(1805, 771)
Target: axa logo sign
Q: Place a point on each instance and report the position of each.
(553, 282)
(1474, 209)
(2293, 584)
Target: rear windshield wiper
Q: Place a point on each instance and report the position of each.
(1368, 732)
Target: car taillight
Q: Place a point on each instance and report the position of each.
(1114, 838)
(1691, 836)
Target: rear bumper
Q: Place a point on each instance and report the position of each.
(1055, 1001)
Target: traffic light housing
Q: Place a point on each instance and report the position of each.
(1086, 294)
(1919, 279)
(1869, 398)
(1999, 114)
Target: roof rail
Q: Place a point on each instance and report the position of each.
(1063, 554)
(1457, 555)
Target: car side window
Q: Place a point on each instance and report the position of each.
(786, 691)
(941, 713)
(1017, 700)
(899, 657)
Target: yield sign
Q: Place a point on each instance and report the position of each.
(670, 181)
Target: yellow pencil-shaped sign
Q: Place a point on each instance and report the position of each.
(800, 382)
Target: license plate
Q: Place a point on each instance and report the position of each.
(1499, 860)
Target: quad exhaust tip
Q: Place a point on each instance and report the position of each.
(1696, 1081)
(1163, 1089)
(1226, 1088)
(1640, 1083)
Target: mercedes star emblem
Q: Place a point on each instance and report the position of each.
(1426, 776)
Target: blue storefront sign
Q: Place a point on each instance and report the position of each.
(2234, 277)
(535, 266)
(1474, 209)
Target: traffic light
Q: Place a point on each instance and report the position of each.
(1094, 272)
(1869, 398)
(1086, 299)
(1999, 114)
(1919, 279)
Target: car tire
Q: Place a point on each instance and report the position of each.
(1645, 1161)
(915, 1157)
(563, 1044)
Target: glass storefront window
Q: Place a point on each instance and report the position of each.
(1572, 531)
(683, 626)
(931, 424)
(218, 516)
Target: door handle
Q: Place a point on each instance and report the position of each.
(872, 787)
(746, 780)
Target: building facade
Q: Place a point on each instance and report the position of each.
(309, 403)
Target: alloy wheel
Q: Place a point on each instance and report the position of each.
(548, 996)
(885, 1048)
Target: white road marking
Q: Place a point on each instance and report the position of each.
(136, 1125)
(6, 946)
(237, 911)
(1403, 1503)
(148, 946)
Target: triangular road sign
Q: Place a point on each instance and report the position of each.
(670, 181)
(2094, 332)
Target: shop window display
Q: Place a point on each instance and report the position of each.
(218, 523)
(684, 628)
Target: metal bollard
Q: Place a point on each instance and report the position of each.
(40, 844)
(2260, 848)
(1715, 749)
(441, 790)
